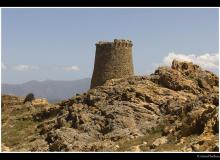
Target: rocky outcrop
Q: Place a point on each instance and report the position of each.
(173, 109)
(5, 148)
(11, 100)
(39, 102)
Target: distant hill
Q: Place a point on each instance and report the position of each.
(53, 90)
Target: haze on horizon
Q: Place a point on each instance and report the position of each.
(59, 43)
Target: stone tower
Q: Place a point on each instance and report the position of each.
(112, 60)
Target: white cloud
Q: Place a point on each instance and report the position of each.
(71, 68)
(24, 67)
(207, 60)
(4, 66)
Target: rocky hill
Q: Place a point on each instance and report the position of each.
(174, 109)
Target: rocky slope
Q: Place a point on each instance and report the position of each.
(173, 109)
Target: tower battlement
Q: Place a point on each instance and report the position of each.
(115, 43)
(112, 60)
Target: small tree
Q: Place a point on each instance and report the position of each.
(29, 98)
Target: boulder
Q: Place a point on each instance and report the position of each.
(40, 102)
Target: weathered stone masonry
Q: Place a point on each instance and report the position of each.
(112, 60)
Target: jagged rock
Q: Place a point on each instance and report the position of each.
(67, 139)
(167, 130)
(200, 120)
(11, 100)
(158, 142)
(5, 148)
(39, 145)
(178, 102)
(47, 111)
(135, 149)
(40, 102)
(174, 80)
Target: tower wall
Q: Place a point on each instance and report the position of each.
(112, 60)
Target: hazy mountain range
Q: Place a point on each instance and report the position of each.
(53, 90)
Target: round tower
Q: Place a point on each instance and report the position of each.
(112, 60)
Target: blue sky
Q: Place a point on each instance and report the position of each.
(59, 43)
